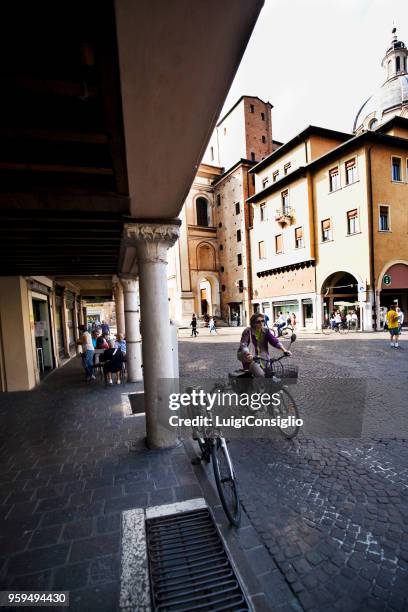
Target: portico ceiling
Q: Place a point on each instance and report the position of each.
(177, 61)
(106, 110)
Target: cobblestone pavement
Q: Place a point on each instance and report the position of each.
(333, 513)
(66, 474)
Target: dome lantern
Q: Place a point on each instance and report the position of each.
(391, 98)
(395, 59)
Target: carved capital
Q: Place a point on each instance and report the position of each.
(151, 240)
(129, 283)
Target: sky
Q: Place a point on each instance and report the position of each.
(317, 61)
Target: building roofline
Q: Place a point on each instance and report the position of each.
(238, 102)
(240, 162)
(352, 143)
(290, 144)
(396, 120)
(285, 180)
(278, 142)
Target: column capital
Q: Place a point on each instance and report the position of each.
(128, 282)
(152, 240)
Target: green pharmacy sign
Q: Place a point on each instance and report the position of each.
(387, 279)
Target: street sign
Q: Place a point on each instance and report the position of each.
(387, 279)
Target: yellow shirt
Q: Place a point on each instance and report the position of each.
(392, 319)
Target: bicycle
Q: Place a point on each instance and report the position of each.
(286, 332)
(214, 448)
(341, 328)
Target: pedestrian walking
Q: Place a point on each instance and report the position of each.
(400, 314)
(393, 326)
(105, 329)
(193, 326)
(266, 320)
(211, 325)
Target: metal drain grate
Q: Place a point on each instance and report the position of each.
(189, 568)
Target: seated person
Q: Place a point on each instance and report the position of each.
(112, 360)
(120, 343)
(95, 335)
(101, 342)
(255, 341)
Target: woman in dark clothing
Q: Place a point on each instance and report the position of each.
(101, 342)
(112, 360)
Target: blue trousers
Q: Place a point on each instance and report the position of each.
(87, 362)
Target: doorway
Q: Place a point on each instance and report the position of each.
(42, 334)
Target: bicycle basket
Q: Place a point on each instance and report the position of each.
(285, 370)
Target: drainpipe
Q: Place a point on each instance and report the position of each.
(248, 215)
(313, 238)
(369, 183)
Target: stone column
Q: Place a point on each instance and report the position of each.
(76, 323)
(119, 306)
(301, 320)
(132, 325)
(152, 240)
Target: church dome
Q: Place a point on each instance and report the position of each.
(392, 97)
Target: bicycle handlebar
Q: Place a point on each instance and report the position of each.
(270, 359)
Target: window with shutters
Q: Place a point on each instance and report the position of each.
(384, 221)
(351, 171)
(334, 179)
(279, 244)
(326, 230)
(285, 201)
(353, 226)
(396, 169)
(261, 250)
(299, 238)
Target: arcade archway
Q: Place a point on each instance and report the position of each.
(340, 291)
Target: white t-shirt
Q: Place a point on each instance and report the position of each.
(86, 341)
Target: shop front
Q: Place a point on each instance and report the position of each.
(42, 327)
(394, 289)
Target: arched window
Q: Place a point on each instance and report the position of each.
(202, 212)
(397, 63)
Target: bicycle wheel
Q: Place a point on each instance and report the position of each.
(225, 481)
(286, 409)
(287, 332)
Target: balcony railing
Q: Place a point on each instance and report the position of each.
(284, 214)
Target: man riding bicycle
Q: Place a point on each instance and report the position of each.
(281, 322)
(255, 342)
